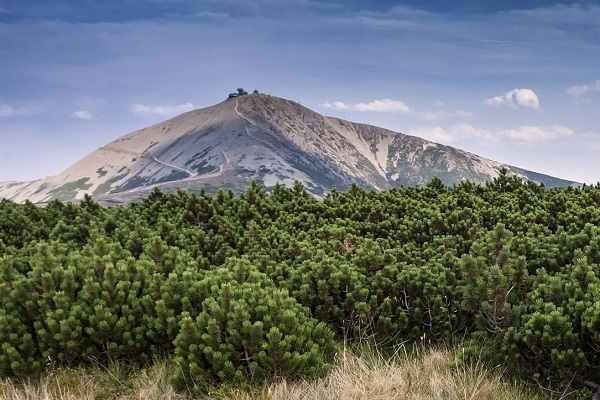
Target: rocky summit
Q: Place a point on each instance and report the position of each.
(263, 138)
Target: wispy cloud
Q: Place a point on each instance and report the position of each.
(216, 16)
(161, 110)
(577, 14)
(380, 106)
(6, 110)
(579, 91)
(434, 133)
(337, 105)
(456, 133)
(463, 132)
(398, 107)
(537, 133)
(442, 114)
(591, 140)
(16, 110)
(83, 114)
(516, 98)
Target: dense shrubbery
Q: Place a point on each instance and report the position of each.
(257, 286)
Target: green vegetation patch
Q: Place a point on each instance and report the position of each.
(251, 289)
(69, 190)
(203, 167)
(105, 187)
(132, 183)
(101, 172)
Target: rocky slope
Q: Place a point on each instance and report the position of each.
(259, 137)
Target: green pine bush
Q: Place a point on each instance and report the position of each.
(249, 331)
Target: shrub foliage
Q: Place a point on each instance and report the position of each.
(262, 285)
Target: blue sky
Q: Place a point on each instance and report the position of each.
(514, 81)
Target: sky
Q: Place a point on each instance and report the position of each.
(514, 81)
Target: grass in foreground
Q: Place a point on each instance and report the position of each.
(116, 381)
(363, 374)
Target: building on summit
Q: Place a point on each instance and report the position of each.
(240, 92)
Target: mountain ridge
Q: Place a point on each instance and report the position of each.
(264, 138)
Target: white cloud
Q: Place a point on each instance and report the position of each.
(338, 105)
(456, 133)
(30, 108)
(578, 14)
(83, 114)
(435, 134)
(442, 114)
(537, 133)
(578, 91)
(516, 98)
(142, 109)
(390, 106)
(381, 106)
(469, 132)
(384, 105)
(466, 132)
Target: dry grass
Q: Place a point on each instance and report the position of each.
(363, 374)
(118, 381)
(420, 376)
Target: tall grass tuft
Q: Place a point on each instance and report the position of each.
(365, 372)
(118, 380)
(416, 374)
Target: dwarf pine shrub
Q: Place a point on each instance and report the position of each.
(249, 331)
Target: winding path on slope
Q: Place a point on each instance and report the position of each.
(191, 174)
(249, 123)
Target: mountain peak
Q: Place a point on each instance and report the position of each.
(264, 138)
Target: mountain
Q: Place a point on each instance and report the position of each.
(265, 138)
